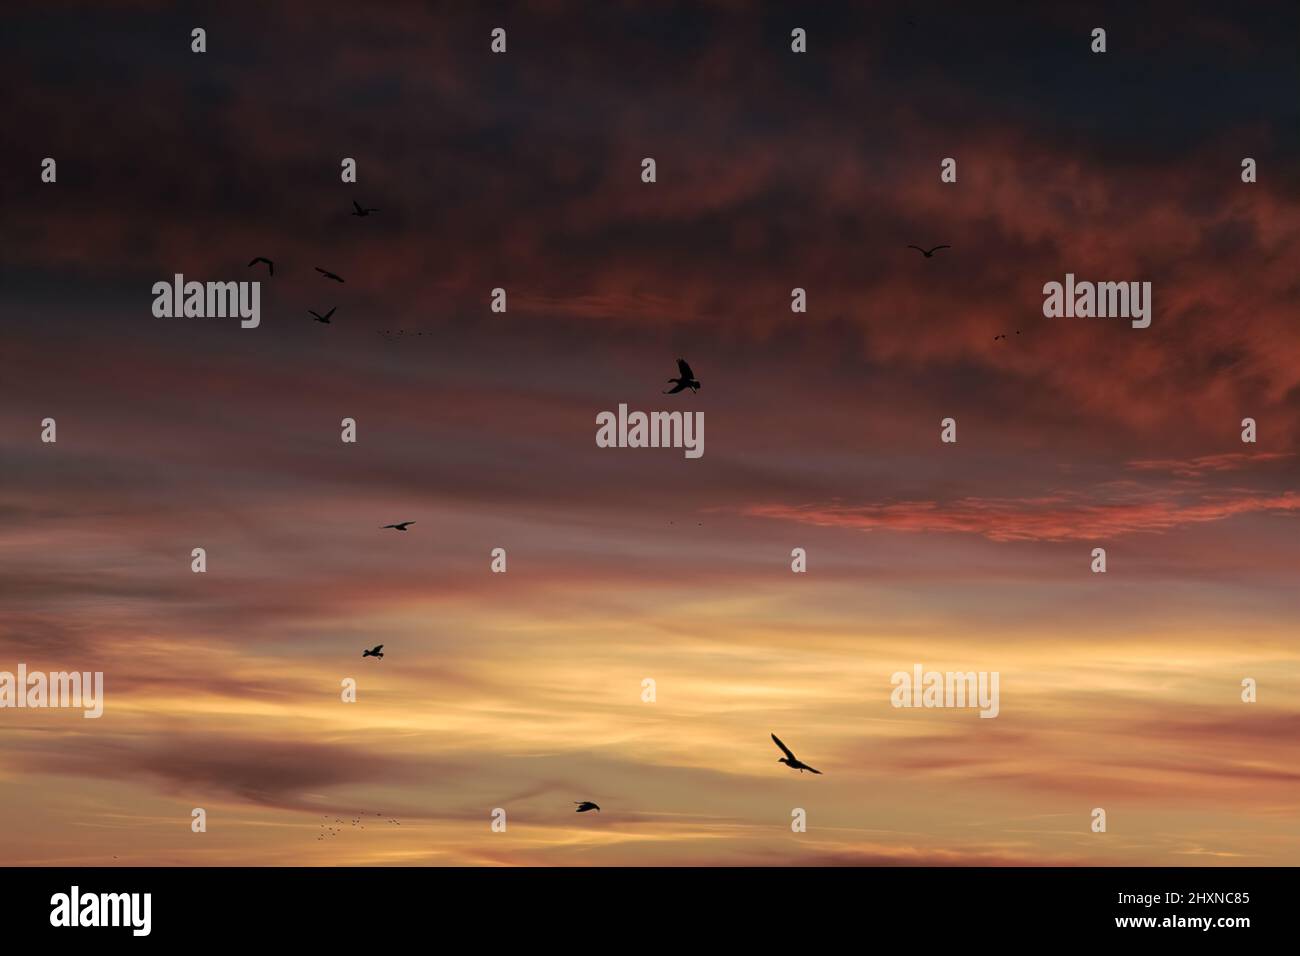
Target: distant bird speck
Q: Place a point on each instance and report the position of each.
(269, 264)
(400, 526)
(584, 806)
(329, 275)
(929, 254)
(322, 318)
(360, 210)
(376, 651)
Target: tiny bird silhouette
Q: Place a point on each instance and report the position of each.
(360, 210)
(376, 651)
(790, 760)
(269, 264)
(687, 380)
(400, 526)
(929, 254)
(584, 806)
(322, 318)
(329, 275)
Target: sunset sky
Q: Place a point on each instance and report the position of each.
(523, 690)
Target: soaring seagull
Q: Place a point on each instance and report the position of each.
(790, 760)
(400, 526)
(328, 275)
(930, 253)
(269, 264)
(584, 806)
(376, 651)
(360, 210)
(687, 380)
(322, 318)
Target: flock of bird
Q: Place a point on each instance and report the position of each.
(685, 379)
(929, 254)
(328, 831)
(357, 210)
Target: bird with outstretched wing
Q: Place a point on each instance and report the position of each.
(790, 760)
(929, 253)
(687, 379)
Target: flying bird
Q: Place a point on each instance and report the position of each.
(687, 380)
(361, 210)
(376, 651)
(930, 253)
(323, 318)
(400, 526)
(584, 806)
(790, 760)
(1004, 335)
(269, 264)
(329, 275)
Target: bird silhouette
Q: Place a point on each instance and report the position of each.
(322, 318)
(584, 806)
(376, 651)
(790, 760)
(400, 526)
(687, 380)
(329, 275)
(269, 264)
(929, 254)
(360, 210)
(1004, 335)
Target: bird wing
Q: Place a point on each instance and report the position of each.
(814, 770)
(378, 648)
(684, 369)
(320, 270)
(918, 249)
(330, 312)
(783, 746)
(356, 205)
(937, 248)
